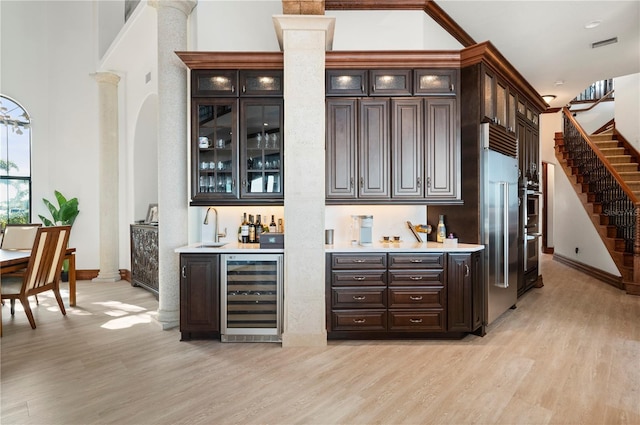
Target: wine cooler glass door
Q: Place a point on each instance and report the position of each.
(251, 297)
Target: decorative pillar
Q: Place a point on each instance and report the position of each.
(108, 166)
(172, 153)
(304, 40)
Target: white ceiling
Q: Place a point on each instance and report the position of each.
(547, 42)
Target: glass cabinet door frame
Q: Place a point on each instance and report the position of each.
(219, 160)
(268, 149)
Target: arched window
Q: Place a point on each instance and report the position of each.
(15, 162)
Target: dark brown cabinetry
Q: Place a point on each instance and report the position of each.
(421, 162)
(529, 213)
(417, 293)
(435, 82)
(498, 101)
(381, 295)
(358, 167)
(237, 120)
(465, 292)
(199, 296)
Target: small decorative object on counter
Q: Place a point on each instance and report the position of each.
(451, 241)
(442, 230)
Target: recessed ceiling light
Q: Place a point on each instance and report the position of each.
(593, 24)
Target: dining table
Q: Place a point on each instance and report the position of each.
(12, 260)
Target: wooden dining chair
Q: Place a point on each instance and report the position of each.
(42, 273)
(19, 236)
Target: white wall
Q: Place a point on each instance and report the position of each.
(47, 68)
(627, 102)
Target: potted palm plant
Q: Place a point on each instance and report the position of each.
(64, 214)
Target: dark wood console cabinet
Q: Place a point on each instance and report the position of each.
(144, 257)
(404, 295)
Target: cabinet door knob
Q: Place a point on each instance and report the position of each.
(233, 89)
(451, 87)
(428, 181)
(244, 89)
(351, 182)
(419, 181)
(361, 182)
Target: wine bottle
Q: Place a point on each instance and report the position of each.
(442, 230)
(252, 230)
(272, 226)
(245, 229)
(258, 228)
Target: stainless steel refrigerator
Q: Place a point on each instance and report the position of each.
(499, 218)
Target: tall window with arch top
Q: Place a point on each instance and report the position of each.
(15, 162)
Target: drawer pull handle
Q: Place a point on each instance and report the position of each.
(415, 320)
(359, 297)
(359, 321)
(416, 260)
(415, 297)
(415, 277)
(359, 260)
(466, 270)
(359, 277)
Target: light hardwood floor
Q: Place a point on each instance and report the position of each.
(569, 354)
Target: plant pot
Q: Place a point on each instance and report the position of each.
(64, 276)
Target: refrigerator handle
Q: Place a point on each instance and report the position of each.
(504, 221)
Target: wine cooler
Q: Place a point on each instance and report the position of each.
(251, 298)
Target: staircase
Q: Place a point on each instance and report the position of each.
(605, 173)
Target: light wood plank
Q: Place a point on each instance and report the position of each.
(568, 354)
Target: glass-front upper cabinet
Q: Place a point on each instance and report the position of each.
(261, 142)
(237, 117)
(214, 155)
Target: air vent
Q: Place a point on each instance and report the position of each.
(503, 142)
(604, 42)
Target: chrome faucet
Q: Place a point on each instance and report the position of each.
(216, 234)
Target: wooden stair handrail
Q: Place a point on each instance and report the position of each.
(593, 105)
(602, 158)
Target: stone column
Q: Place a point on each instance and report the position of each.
(108, 167)
(172, 153)
(304, 40)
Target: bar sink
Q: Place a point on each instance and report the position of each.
(212, 244)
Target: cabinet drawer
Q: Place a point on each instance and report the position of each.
(363, 320)
(417, 261)
(375, 297)
(416, 277)
(357, 278)
(425, 320)
(417, 298)
(359, 261)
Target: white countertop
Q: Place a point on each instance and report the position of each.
(413, 246)
(230, 248)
